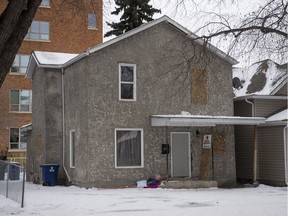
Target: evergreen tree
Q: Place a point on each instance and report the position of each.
(135, 13)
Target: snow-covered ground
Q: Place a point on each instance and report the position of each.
(58, 200)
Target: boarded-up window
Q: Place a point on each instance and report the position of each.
(219, 142)
(199, 86)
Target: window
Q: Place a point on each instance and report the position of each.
(45, 3)
(127, 79)
(129, 148)
(72, 148)
(20, 64)
(18, 139)
(21, 100)
(38, 31)
(92, 21)
(199, 94)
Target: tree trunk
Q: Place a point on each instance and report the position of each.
(14, 24)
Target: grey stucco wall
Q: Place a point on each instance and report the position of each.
(38, 135)
(76, 119)
(53, 117)
(93, 108)
(45, 146)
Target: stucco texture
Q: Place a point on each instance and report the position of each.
(164, 59)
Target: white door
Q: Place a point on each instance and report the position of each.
(180, 154)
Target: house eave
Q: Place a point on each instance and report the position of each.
(263, 97)
(277, 88)
(26, 127)
(202, 121)
(33, 62)
(273, 123)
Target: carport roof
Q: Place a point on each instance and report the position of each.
(203, 120)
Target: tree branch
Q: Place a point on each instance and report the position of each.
(264, 30)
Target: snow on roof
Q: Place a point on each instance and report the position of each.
(260, 78)
(280, 116)
(53, 58)
(48, 59)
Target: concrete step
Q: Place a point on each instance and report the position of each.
(189, 184)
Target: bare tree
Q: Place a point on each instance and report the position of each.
(263, 31)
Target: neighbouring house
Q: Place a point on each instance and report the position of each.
(110, 115)
(261, 91)
(56, 27)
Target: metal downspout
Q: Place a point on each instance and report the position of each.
(255, 144)
(285, 154)
(253, 110)
(63, 126)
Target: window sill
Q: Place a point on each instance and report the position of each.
(130, 167)
(20, 112)
(16, 73)
(17, 150)
(95, 29)
(34, 40)
(125, 100)
(44, 6)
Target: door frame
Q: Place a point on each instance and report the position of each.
(189, 151)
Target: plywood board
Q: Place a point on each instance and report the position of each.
(199, 86)
(219, 143)
(205, 164)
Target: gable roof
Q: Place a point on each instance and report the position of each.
(168, 20)
(121, 37)
(261, 78)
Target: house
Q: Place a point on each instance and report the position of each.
(57, 27)
(110, 115)
(263, 94)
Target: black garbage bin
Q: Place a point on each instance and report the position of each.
(14, 171)
(49, 174)
(2, 170)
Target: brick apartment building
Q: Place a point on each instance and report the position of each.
(59, 26)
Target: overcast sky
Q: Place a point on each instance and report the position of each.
(193, 14)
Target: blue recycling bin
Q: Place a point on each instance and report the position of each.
(14, 171)
(49, 174)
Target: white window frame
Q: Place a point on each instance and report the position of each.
(142, 148)
(19, 56)
(19, 140)
(19, 104)
(72, 150)
(134, 81)
(88, 21)
(39, 32)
